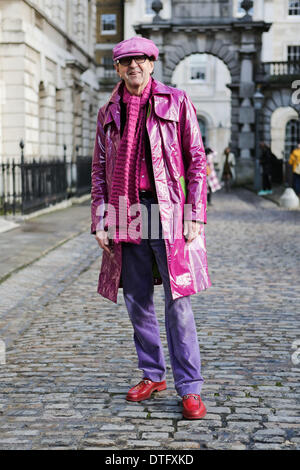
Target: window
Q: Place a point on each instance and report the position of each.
(148, 7)
(107, 62)
(109, 24)
(198, 64)
(293, 54)
(294, 7)
(202, 125)
(292, 136)
(108, 66)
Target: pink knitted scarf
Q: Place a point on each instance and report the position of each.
(125, 184)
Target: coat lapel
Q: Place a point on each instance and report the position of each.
(113, 114)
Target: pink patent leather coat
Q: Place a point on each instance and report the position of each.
(179, 168)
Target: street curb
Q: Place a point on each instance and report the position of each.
(41, 255)
(65, 204)
(7, 225)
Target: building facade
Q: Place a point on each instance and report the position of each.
(282, 44)
(56, 68)
(211, 95)
(48, 78)
(221, 52)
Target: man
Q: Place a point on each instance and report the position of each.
(265, 161)
(213, 184)
(149, 154)
(227, 171)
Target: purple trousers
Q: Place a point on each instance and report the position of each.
(138, 289)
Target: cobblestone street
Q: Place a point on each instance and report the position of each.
(70, 357)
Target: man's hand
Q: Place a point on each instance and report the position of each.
(103, 240)
(191, 230)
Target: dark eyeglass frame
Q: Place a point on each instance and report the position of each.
(126, 61)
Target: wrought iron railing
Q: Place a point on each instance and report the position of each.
(29, 186)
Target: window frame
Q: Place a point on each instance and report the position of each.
(110, 32)
(292, 136)
(295, 53)
(296, 8)
(202, 65)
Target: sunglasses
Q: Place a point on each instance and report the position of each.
(138, 59)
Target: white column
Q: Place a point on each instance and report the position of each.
(258, 10)
(69, 113)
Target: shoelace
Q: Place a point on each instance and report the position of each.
(190, 395)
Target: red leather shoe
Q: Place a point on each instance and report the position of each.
(193, 407)
(144, 389)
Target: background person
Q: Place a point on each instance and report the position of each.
(213, 183)
(228, 170)
(265, 161)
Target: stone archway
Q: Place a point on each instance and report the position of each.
(275, 99)
(204, 77)
(217, 48)
(174, 53)
(279, 120)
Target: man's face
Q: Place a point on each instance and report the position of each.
(136, 76)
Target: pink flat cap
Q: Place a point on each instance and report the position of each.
(135, 46)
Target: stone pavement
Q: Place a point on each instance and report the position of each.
(38, 235)
(70, 357)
